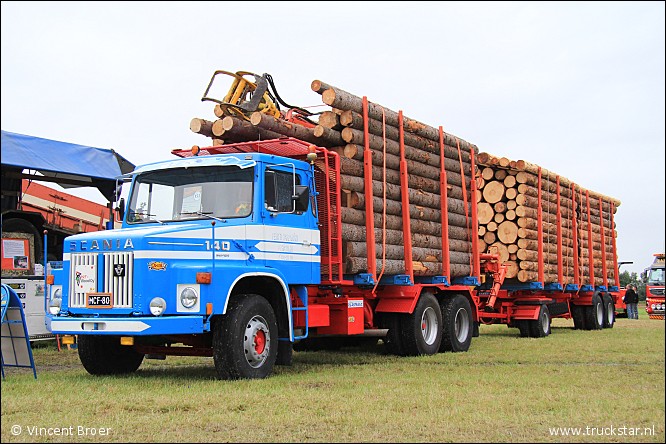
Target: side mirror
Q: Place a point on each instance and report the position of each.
(120, 209)
(301, 198)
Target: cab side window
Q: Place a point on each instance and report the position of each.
(279, 189)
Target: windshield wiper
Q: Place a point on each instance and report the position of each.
(200, 213)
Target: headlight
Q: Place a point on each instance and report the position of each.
(55, 303)
(653, 306)
(157, 306)
(188, 297)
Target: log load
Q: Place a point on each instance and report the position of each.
(424, 185)
(437, 171)
(547, 222)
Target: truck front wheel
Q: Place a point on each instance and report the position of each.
(458, 325)
(103, 355)
(245, 339)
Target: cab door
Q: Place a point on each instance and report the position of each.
(290, 240)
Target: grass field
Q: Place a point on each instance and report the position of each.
(604, 386)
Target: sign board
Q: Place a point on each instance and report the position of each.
(17, 257)
(16, 350)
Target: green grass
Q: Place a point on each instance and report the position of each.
(505, 389)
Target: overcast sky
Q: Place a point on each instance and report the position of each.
(577, 88)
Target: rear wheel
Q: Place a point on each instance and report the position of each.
(393, 339)
(245, 339)
(609, 311)
(422, 330)
(578, 316)
(540, 328)
(103, 355)
(458, 325)
(524, 328)
(594, 314)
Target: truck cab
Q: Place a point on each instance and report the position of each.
(654, 288)
(231, 234)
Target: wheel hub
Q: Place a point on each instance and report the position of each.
(257, 341)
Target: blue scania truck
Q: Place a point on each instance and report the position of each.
(242, 251)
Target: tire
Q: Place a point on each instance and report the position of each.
(609, 311)
(524, 328)
(245, 339)
(103, 355)
(393, 340)
(422, 330)
(457, 324)
(285, 353)
(17, 225)
(578, 316)
(594, 314)
(540, 328)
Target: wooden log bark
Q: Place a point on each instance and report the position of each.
(357, 233)
(240, 128)
(359, 249)
(330, 119)
(356, 201)
(331, 136)
(202, 126)
(428, 170)
(392, 267)
(338, 98)
(507, 232)
(287, 128)
(493, 191)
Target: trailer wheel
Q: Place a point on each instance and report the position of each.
(524, 328)
(103, 355)
(245, 339)
(458, 325)
(422, 330)
(393, 339)
(594, 314)
(609, 311)
(540, 328)
(578, 316)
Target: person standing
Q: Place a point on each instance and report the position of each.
(631, 300)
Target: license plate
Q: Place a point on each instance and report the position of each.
(99, 300)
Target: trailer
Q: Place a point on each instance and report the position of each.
(248, 249)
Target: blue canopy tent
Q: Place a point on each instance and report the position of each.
(66, 164)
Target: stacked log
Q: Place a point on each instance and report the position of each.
(424, 162)
(548, 221)
(543, 226)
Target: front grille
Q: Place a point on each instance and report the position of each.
(120, 287)
(78, 299)
(657, 291)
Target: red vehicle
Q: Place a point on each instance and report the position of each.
(654, 288)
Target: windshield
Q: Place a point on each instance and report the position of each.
(656, 276)
(191, 193)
